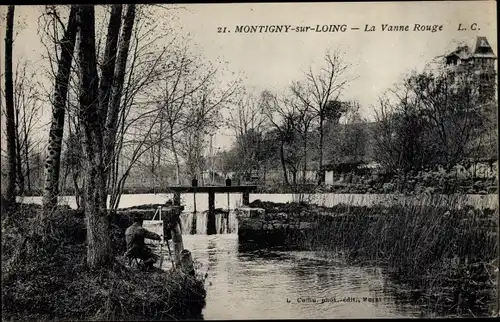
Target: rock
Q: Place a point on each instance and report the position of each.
(388, 187)
(249, 212)
(281, 215)
(251, 224)
(307, 225)
(492, 190)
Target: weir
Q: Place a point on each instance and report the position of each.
(196, 224)
(213, 223)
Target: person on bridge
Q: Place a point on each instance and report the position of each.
(136, 248)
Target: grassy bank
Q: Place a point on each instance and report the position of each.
(45, 277)
(446, 254)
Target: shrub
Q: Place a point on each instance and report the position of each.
(45, 276)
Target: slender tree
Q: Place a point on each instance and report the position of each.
(320, 89)
(27, 109)
(53, 160)
(113, 110)
(10, 196)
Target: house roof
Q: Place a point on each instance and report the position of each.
(461, 52)
(482, 49)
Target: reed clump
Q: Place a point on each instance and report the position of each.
(45, 276)
(443, 253)
(443, 249)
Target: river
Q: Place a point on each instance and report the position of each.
(283, 284)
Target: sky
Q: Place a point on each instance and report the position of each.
(274, 60)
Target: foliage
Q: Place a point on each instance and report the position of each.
(435, 117)
(52, 281)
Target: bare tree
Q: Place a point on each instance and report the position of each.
(453, 107)
(27, 115)
(98, 242)
(279, 114)
(249, 125)
(434, 118)
(321, 88)
(387, 149)
(302, 120)
(189, 98)
(246, 115)
(132, 74)
(52, 162)
(110, 114)
(10, 196)
(146, 66)
(401, 134)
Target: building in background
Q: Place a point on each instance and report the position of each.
(478, 60)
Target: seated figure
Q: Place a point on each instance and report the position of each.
(136, 248)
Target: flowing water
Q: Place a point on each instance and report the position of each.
(274, 284)
(225, 224)
(288, 285)
(282, 284)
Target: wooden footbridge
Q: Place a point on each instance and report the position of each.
(245, 190)
(170, 220)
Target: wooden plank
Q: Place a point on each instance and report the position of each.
(164, 209)
(215, 189)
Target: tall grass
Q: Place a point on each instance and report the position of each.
(434, 248)
(442, 246)
(414, 235)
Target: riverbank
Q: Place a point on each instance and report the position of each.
(45, 277)
(447, 255)
(437, 182)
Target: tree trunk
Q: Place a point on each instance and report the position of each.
(321, 142)
(53, 159)
(98, 240)
(10, 196)
(283, 164)
(108, 65)
(305, 161)
(176, 158)
(28, 168)
(19, 163)
(117, 88)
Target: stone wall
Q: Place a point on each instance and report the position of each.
(260, 228)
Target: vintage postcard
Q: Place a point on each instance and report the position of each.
(249, 161)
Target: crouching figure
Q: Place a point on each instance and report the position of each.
(136, 248)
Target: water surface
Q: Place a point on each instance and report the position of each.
(283, 285)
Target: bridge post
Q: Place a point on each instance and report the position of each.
(211, 225)
(246, 198)
(177, 198)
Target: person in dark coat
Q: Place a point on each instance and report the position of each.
(136, 248)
